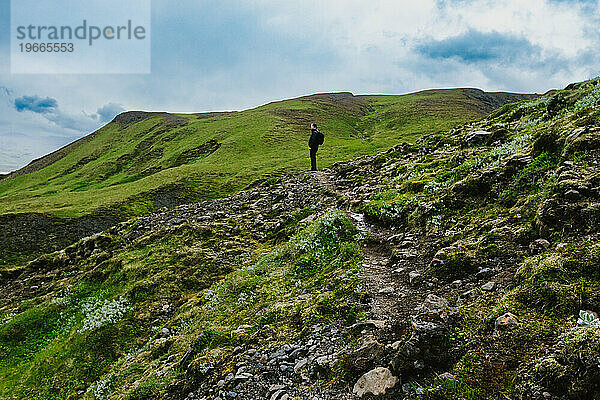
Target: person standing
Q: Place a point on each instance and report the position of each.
(316, 139)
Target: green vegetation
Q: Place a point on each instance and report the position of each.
(97, 335)
(122, 168)
(490, 232)
(490, 206)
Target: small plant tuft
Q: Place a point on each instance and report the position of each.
(587, 319)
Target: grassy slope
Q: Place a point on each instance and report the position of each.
(489, 207)
(444, 192)
(258, 143)
(46, 353)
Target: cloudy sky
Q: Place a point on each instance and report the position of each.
(231, 55)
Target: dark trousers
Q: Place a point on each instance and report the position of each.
(313, 159)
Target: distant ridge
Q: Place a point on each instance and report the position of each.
(125, 119)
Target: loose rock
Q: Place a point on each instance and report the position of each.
(506, 322)
(376, 382)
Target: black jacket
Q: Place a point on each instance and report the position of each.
(313, 141)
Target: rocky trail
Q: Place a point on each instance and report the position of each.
(394, 296)
(397, 297)
(385, 282)
(406, 315)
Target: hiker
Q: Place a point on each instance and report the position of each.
(315, 140)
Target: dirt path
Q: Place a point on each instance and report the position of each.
(385, 276)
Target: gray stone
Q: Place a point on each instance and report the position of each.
(434, 304)
(300, 364)
(165, 332)
(506, 322)
(447, 376)
(395, 238)
(243, 376)
(484, 273)
(287, 348)
(578, 132)
(241, 369)
(561, 247)
(275, 387)
(489, 287)
(425, 327)
(396, 345)
(324, 360)
(277, 395)
(369, 323)
(376, 382)
(413, 276)
(539, 245)
(368, 352)
(476, 138)
(572, 195)
(286, 368)
(242, 329)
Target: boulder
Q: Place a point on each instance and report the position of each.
(572, 195)
(376, 382)
(364, 357)
(539, 246)
(367, 324)
(434, 304)
(506, 322)
(477, 138)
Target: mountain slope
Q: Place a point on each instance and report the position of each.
(139, 152)
(460, 263)
(144, 161)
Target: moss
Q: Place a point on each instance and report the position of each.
(547, 267)
(390, 208)
(555, 105)
(571, 370)
(530, 179)
(551, 297)
(455, 261)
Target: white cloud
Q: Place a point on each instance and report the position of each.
(286, 49)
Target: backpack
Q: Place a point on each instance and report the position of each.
(320, 138)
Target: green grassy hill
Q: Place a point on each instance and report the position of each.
(142, 161)
(461, 263)
(126, 163)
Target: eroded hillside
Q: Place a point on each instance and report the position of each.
(462, 266)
